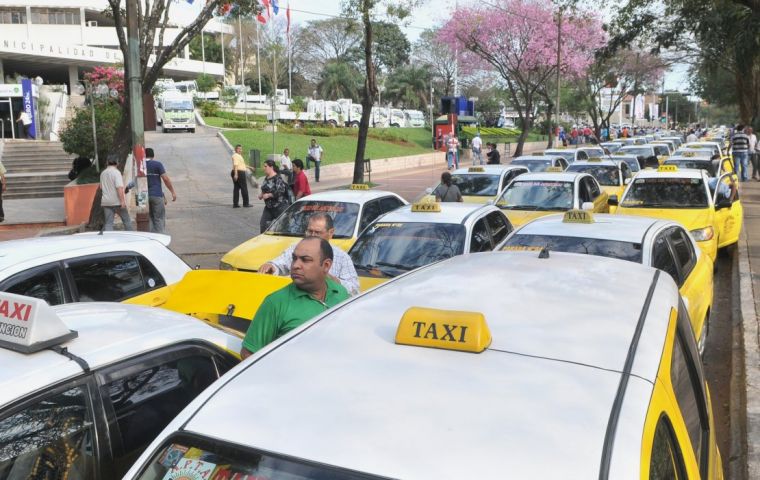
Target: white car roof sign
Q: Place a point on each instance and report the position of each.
(28, 325)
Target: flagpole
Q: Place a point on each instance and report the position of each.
(224, 66)
(258, 56)
(203, 51)
(290, 72)
(242, 70)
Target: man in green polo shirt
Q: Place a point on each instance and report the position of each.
(311, 293)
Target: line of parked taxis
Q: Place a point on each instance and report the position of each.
(517, 371)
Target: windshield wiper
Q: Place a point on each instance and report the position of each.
(371, 269)
(285, 234)
(397, 266)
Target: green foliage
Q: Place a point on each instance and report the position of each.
(205, 82)
(409, 87)
(213, 49)
(77, 134)
(208, 108)
(229, 96)
(238, 124)
(391, 48)
(87, 176)
(298, 104)
(339, 80)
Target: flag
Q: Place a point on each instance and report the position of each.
(266, 4)
(287, 14)
(275, 6)
(260, 17)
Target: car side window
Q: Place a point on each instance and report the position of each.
(562, 163)
(663, 259)
(143, 399)
(152, 278)
(44, 282)
(388, 204)
(370, 212)
(107, 279)
(666, 462)
(480, 240)
(499, 225)
(593, 188)
(684, 251)
(51, 438)
(582, 155)
(583, 193)
(625, 170)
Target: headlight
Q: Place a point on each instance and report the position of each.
(225, 266)
(703, 234)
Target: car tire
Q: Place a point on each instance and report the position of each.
(191, 130)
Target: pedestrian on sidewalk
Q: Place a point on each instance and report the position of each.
(493, 155)
(740, 151)
(477, 150)
(156, 198)
(286, 166)
(113, 199)
(691, 137)
(314, 154)
(452, 155)
(274, 192)
(300, 182)
(25, 123)
(752, 152)
(238, 174)
(2, 190)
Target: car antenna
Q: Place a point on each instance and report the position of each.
(544, 253)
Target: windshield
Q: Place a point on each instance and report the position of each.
(390, 249)
(706, 165)
(666, 192)
(612, 147)
(632, 162)
(476, 185)
(604, 174)
(643, 151)
(594, 152)
(534, 165)
(661, 150)
(292, 222)
(170, 105)
(569, 156)
(537, 195)
(694, 152)
(591, 246)
(197, 458)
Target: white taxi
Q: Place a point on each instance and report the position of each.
(546, 373)
(569, 154)
(85, 388)
(90, 267)
(423, 233)
(612, 175)
(481, 184)
(539, 162)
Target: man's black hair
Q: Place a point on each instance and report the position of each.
(329, 223)
(149, 153)
(325, 249)
(298, 163)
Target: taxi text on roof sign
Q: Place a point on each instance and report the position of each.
(476, 169)
(554, 169)
(29, 324)
(426, 207)
(667, 168)
(578, 216)
(359, 186)
(445, 329)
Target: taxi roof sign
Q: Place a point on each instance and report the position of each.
(359, 186)
(667, 168)
(426, 207)
(578, 216)
(594, 159)
(28, 324)
(476, 169)
(538, 154)
(555, 169)
(444, 329)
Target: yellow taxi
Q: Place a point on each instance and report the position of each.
(547, 373)
(658, 243)
(612, 175)
(534, 195)
(352, 210)
(709, 207)
(480, 184)
(538, 162)
(423, 233)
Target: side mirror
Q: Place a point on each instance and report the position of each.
(429, 191)
(613, 200)
(722, 203)
(588, 206)
(626, 181)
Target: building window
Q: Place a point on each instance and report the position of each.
(11, 15)
(55, 16)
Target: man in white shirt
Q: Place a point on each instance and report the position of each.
(477, 146)
(26, 121)
(113, 200)
(452, 156)
(286, 165)
(753, 157)
(692, 137)
(314, 155)
(342, 269)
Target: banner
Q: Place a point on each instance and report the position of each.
(28, 102)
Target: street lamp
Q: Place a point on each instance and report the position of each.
(99, 90)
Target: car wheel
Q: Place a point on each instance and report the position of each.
(703, 336)
(192, 130)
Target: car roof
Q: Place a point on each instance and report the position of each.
(623, 228)
(107, 333)
(451, 212)
(681, 173)
(487, 169)
(496, 411)
(13, 252)
(559, 150)
(347, 195)
(556, 176)
(537, 158)
(626, 148)
(603, 162)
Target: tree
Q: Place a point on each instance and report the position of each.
(339, 80)
(515, 39)
(320, 42)
(438, 58)
(76, 135)
(212, 48)
(391, 48)
(409, 87)
(205, 82)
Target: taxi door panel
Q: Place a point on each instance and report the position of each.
(728, 221)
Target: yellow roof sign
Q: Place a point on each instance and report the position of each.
(689, 154)
(578, 216)
(476, 169)
(426, 207)
(595, 159)
(538, 154)
(555, 169)
(359, 186)
(445, 329)
(667, 168)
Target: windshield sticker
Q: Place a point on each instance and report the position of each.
(542, 184)
(521, 248)
(323, 208)
(388, 225)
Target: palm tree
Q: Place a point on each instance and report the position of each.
(339, 80)
(409, 87)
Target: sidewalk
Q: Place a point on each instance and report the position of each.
(749, 282)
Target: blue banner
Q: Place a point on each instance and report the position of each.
(28, 99)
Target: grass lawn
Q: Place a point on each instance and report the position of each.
(337, 149)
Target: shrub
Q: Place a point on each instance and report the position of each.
(76, 135)
(208, 108)
(239, 124)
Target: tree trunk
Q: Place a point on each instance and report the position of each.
(368, 94)
(549, 112)
(527, 123)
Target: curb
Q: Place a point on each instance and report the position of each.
(225, 142)
(751, 345)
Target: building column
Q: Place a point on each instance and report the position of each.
(29, 23)
(82, 25)
(73, 79)
(187, 52)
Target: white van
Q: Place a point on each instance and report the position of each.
(175, 111)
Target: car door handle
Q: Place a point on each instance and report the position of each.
(157, 301)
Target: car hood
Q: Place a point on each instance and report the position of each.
(689, 218)
(521, 217)
(252, 254)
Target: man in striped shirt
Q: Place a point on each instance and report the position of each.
(740, 152)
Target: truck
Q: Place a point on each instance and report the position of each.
(191, 87)
(175, 111)
(326, 111)
(414, 119)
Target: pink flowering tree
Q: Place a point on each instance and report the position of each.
(112, 77)
(517, 39)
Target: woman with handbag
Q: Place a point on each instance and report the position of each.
(447, 191)
(274, 192)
